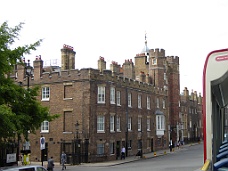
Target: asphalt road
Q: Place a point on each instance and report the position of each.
(188, 158)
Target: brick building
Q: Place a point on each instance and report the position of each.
(133, 105)
(191, 127)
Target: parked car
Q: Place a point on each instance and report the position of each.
(24, 168)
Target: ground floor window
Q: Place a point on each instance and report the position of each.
(129, 144)
(111, 147)
(100, 149)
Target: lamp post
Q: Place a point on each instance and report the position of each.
(141, 142)
(18, 136)
(77, 144)
(28, 72)
(77, 128)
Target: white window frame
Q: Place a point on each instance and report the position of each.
(118, 98)
(101, 94)
(129, 125)
(139, 101)
(45, 93)
(45, 127)
(100, 123)
(112, 123)
(111, 148)
(160, 122)
(139, 123)
(163, 103)
(117, 123)
(148, 102)
(112, 95)
(129, 100)
(148, 124)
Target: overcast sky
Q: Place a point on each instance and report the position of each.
(115, 30)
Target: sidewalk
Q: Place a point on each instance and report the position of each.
(131, 158)
(127, 159)
(135, 158)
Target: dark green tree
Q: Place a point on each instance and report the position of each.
(20, 111)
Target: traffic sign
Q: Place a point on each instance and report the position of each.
(42, 143)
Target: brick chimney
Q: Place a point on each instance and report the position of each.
(38, 67)
(101, 64)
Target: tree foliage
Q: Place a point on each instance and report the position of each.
(20, 112)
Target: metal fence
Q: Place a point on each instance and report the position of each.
(76, 151)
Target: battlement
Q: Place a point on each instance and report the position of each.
(156, 53)
(172, 59)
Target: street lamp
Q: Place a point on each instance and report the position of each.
(141, 142)
(28, 72)
(77, 145)
(77, 128)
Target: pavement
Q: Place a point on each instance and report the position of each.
(126, 160)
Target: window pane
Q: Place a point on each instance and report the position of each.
(100, 123)
(118, 98)
(45, 93)
(111, 148)
(118, 123)
(111, 123)
(100, 149)
(101, 94)
(112, 95)
(45, 126)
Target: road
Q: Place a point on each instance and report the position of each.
(189, 158)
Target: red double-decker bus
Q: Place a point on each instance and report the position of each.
(215, 109)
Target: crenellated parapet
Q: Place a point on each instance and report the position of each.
(107, 75)
(172, 59)
(161, 91)
(156, 53)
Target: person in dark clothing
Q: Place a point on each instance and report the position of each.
(63, 160)
(50, 165)
(171, 145)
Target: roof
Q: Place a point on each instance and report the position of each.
(158, 112)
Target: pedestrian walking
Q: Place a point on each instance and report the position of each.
(178, 144)
(123, 151)
(51, 164)
(63, 160)
(171, 145)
